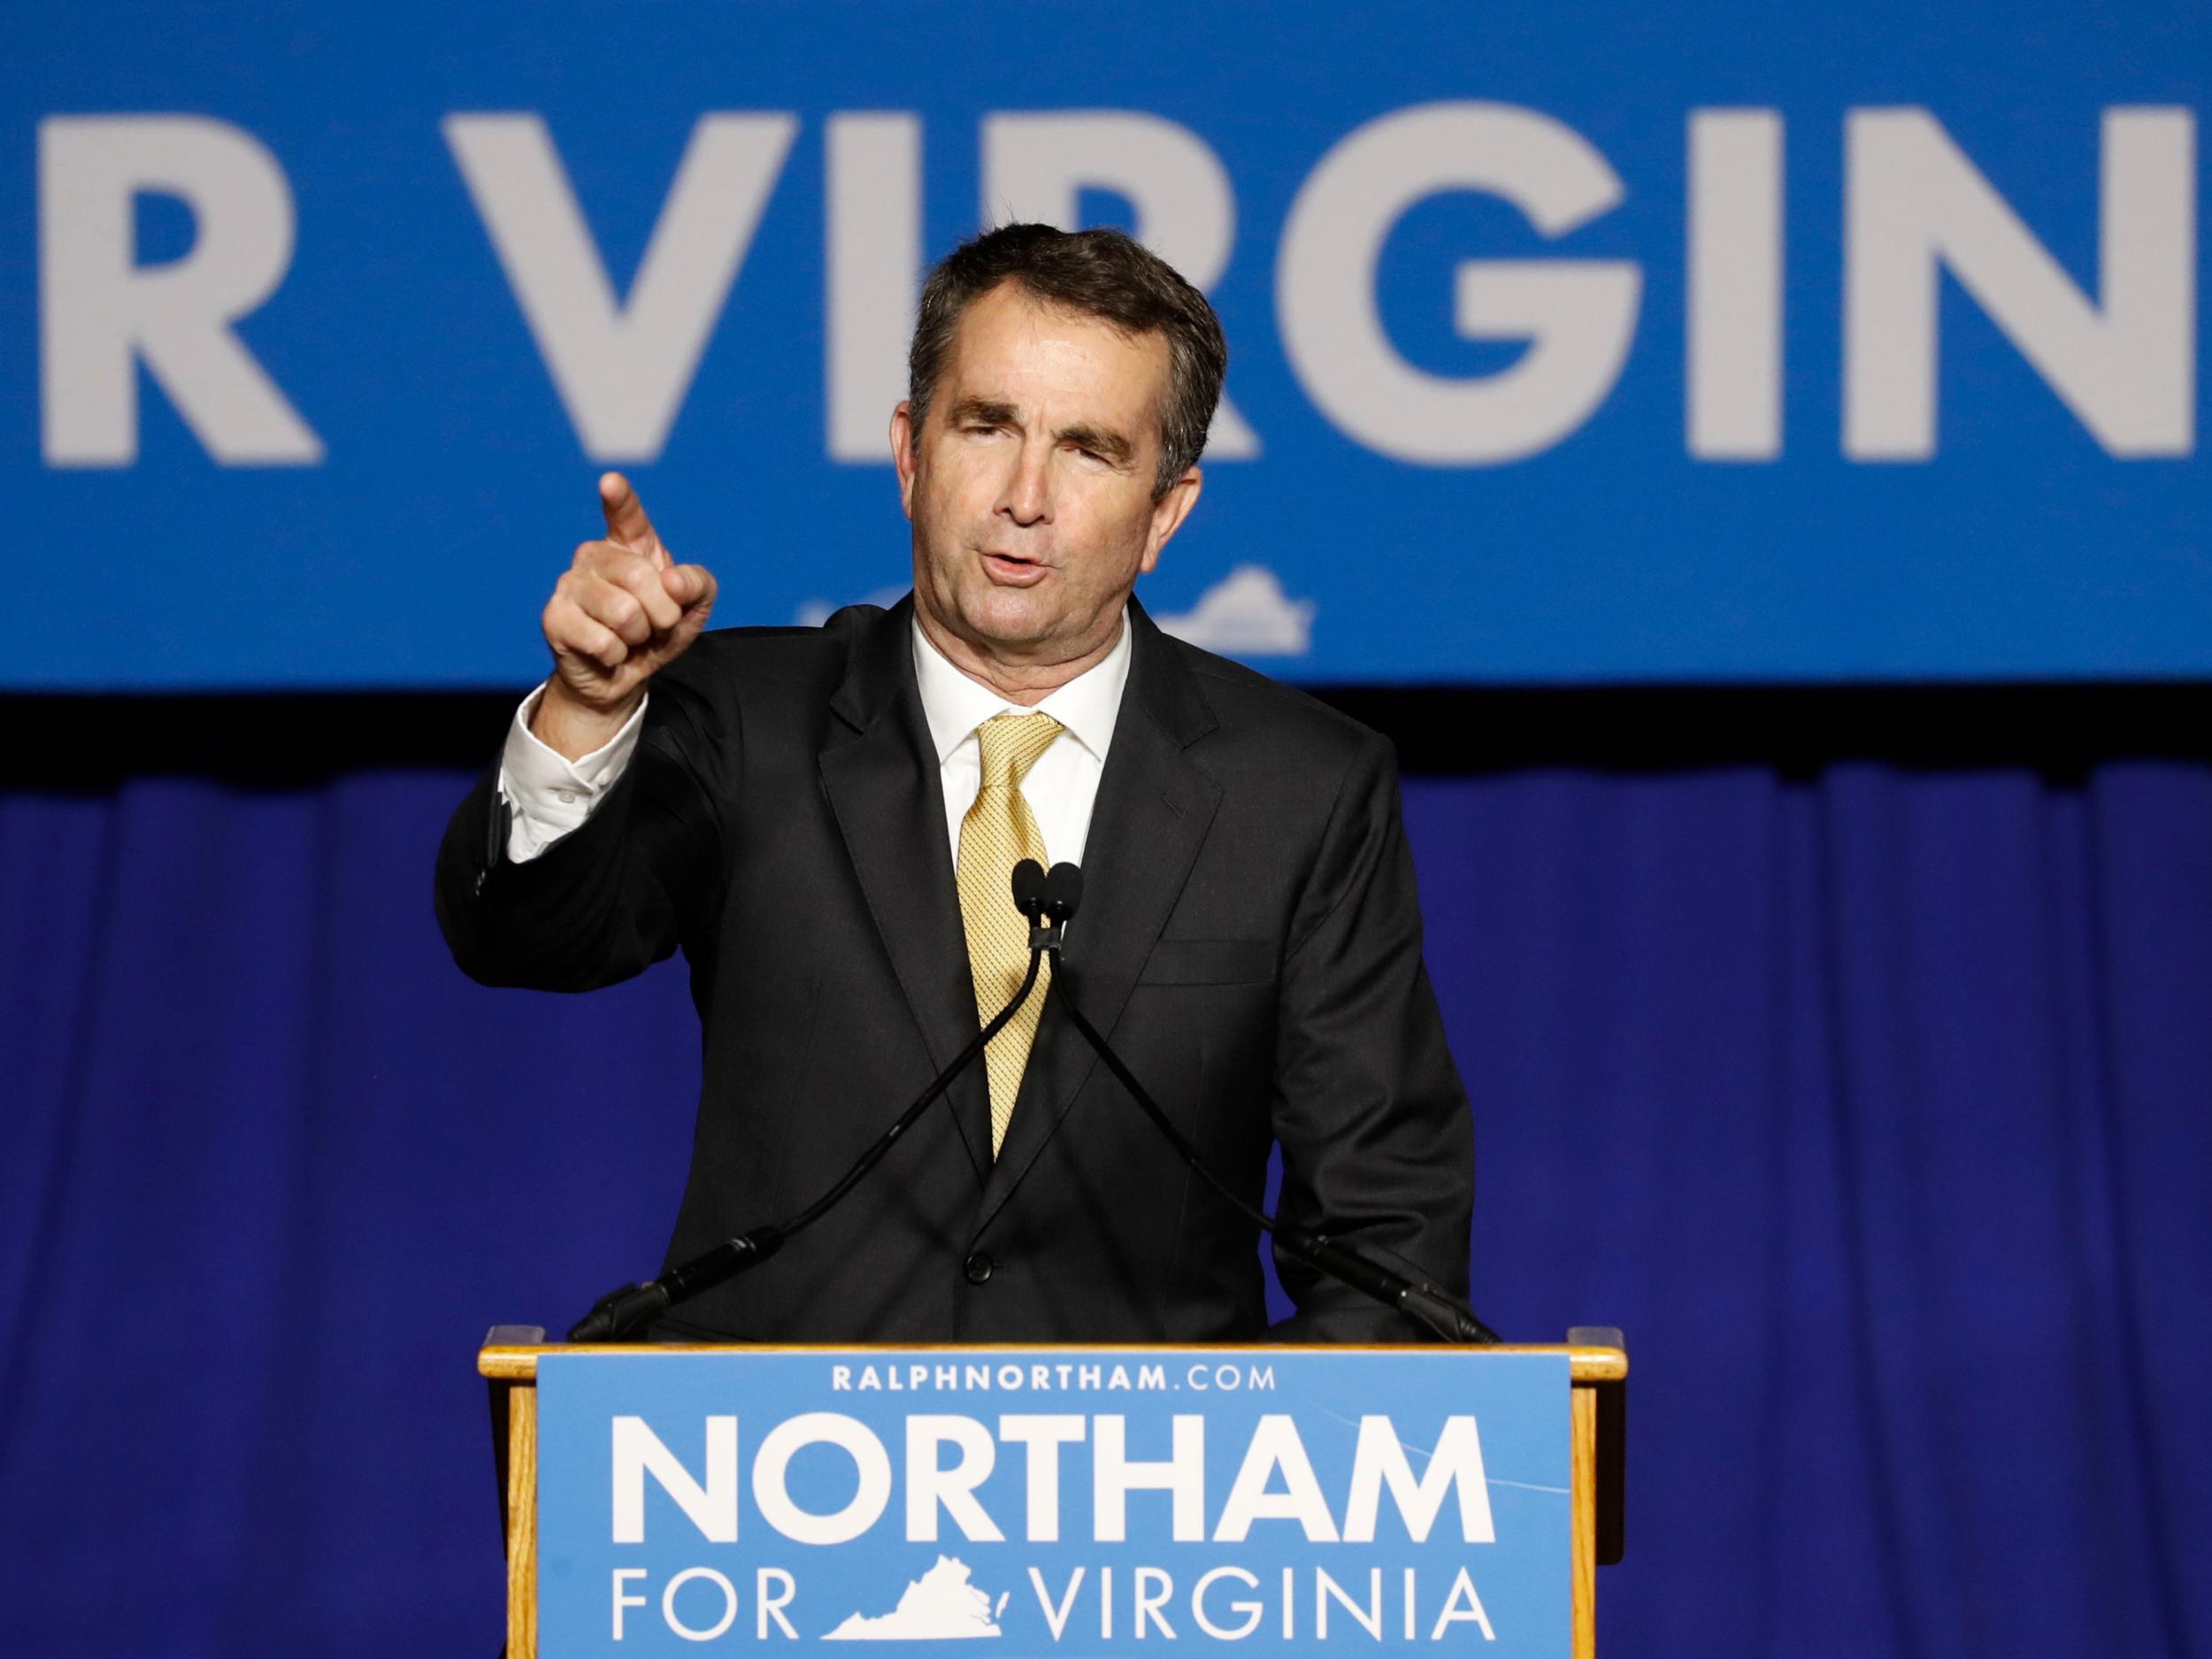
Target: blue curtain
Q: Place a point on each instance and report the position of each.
(1873, 1103)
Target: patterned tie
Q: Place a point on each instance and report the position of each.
(998, 834)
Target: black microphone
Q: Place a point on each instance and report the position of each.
(1063, 892)
(621, 1314)
(1037, 897)
(1427, 1303)
(1029, 888)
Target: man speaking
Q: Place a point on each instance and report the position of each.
(826, 820)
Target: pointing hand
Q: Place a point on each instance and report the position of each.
(624, 611)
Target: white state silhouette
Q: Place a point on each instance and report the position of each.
(814, 612)
(938, 1606)
(1246, 613)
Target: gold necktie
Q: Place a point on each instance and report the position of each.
(998, 832)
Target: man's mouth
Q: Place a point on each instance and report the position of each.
(1011, 569)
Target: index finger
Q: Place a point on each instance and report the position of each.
(627, 522)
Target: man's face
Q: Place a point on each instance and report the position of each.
(1030, 486)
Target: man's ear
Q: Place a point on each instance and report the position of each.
(902, 437)
(1169, 512)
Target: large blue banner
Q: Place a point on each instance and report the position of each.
(1584, 343)
(1073, 1501)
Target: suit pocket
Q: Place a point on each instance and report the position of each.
(1209, 962)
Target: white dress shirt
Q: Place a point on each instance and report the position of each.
(550, 795)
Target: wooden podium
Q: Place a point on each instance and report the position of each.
(1598, 1366)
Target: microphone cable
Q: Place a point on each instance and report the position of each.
(1427, 1303)
(621, 1314)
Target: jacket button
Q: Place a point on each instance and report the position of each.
(977, 1267)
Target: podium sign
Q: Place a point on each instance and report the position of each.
(1053, 1501)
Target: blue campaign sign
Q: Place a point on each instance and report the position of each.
(1055, 1501)
(1571, 342)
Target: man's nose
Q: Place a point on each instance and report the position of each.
(1028, 495)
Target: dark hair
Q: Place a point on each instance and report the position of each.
(1101, 273)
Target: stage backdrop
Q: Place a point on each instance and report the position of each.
(1590, 341)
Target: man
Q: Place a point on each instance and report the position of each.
(825, 819)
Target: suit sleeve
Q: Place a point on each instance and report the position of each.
(1377, 1136)
(640, 876)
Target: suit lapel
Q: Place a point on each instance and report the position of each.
(880, 774)
(1154, 807)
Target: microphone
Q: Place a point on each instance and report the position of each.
(1427, 1303)
(1029, 888)
(1046, 901)
(621, 1313)
(1063, 892)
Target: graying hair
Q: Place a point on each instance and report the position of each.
(1101, 273)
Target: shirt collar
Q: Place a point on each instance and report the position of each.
(1088, 705)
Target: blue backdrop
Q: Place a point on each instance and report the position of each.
(1872, 1105)
(1585, 340)
(1595, 343)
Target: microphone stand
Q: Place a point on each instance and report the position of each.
(1047, 901)
(621, 1314)
(1427, 1303)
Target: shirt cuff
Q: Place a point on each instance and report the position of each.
(549, 794)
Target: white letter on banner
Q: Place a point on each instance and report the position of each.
(1150, 1592)
(1370, 1617)
(692, 1632)
(1035, 167)
(1577, 316)
(1275, 1445)
(769, 1604)
(1113, 1477)
(100, 311)
(929, 1485)
(621, 368)
(1057, 1617)
(1915, 205)
(1044, 1436)
(1735, 321)
(872, 168)
(1252, 1610)
(1455, 1465)
(831, 1428)
(712, 1507)
(623, 1599)
(1461, 1605)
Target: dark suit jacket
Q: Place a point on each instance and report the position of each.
(1249, 941)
